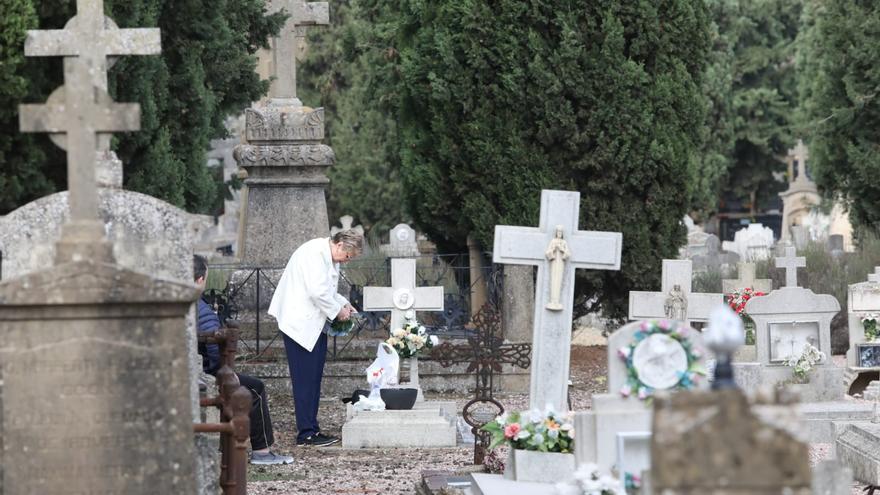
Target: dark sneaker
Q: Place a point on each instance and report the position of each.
(318, 440)
(270, 459)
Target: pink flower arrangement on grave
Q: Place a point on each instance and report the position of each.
(511, 430)
(737, 299)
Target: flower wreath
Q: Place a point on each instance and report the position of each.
(688, 379)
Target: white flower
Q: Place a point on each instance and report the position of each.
(538, 439)
(522, 435)
(502, 418)
(422, 330)
(398, 333)
(434, 340)
(410, 314)
(535, 416)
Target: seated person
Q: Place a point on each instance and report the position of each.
(261, 424)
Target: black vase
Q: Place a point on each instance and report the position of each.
(399, 398)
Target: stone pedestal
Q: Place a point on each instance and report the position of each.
(286, 166)
(858, 447)
(95, 392)
(427, 424)
(825, 383)
(597, 429)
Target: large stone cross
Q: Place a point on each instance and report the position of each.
(85, 111)
(284, 54)
(791, 263)
(557, 247)
(676, 273)
(403, 295)
(746, 279)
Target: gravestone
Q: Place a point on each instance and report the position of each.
(714, 258)
(403, 242)
(616, 420)
(692, 306)
(346, 222)
(863, 299)
(746, 278)
(753, 243)
(744, 452)
(557, 247)
(857, 445)
(403, 296)
(785, 320)
(103, 344)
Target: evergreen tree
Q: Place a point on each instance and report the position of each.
(498, 100)
(204, 74)
(838, 81)
(339, 74)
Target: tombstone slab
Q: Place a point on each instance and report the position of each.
(857, 447)
(427, 424)
(107, 347)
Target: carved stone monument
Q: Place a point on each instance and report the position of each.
(552, 328)
(103, 345)
(676, 273)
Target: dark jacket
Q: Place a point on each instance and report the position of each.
(208, 322)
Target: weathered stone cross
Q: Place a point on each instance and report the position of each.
(791, 263)
(86, 110)
(552, 324)
(302, 14)
(647, 305)
(746, 279)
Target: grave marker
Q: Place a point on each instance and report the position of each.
(552, 328)
(746, 279)
(302, 14)
(676, 273)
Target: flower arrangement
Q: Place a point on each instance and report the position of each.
(634, 385)
(805, 362)
(535, 430)
(410, 339)
(869, 323)
(589, 480)
(737, 301)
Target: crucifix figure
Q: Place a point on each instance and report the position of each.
(290, 44)
(551, 346)
(676, 273)
(791, 262)
(83, 111)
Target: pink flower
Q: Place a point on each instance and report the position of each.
(664, 324)
(625, 390)
(511, 430)
(643, 393)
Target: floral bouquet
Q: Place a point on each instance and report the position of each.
(588, 480)
(410, 339)
(737, 301)
(634, 385)
(535, 430)
(339, 328)
(869, 322)
(805, 362)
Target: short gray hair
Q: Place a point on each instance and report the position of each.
(352, 240)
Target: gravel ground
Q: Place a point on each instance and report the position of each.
(333, 470)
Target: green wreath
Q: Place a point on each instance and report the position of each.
(687, 379)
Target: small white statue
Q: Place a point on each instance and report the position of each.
(557, 253)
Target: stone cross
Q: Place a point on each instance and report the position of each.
(791, 262)
(799, 155)
(874, 277)
(552, 329)
(86, 110)
(403, 295)
(648, 305)
(302, 14)
(346, 222)
(747, 279)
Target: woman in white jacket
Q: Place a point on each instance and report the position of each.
(304, 302)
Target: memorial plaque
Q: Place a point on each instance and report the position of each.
(787, 339)
(869, 355)
(867, 299)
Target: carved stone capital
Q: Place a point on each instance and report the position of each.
(285, 155)
(286, 124)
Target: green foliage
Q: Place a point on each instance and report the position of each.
(495, 101)
(340, 75)
(204, 74)
(838, 83)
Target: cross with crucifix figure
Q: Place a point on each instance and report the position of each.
(557, 247)
(676, 273)
(791, 262)
(84, 112)
(290, 44)
(485, 354)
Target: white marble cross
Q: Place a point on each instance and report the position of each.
(551, 346)
(791, 262)
(647, 305)
(874, 277)
(747, 279)
(82, 109)
(302, 13)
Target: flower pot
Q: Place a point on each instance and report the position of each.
(399, 398)
(542, 467)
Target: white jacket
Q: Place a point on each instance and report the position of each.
(306, 294)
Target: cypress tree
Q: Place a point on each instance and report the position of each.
(498, 100)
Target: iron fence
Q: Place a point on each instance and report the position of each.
(249, 293)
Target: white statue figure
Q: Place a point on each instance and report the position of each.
(557, 253)
(676, 304)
